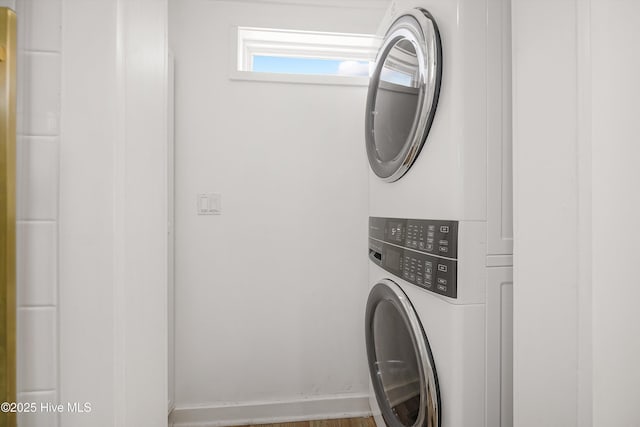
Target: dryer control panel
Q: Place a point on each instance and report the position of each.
(422, 252)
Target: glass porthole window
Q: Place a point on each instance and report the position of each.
(403, 94)
(403, 374)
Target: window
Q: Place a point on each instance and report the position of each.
(317, 66)
(304, 56)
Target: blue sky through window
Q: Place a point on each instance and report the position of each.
(318, 66)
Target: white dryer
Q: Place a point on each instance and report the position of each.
(438, 136)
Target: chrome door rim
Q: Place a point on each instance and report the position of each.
(419, 27)
(387, 290)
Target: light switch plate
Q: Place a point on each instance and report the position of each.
(209, 204)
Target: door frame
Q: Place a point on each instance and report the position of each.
(8, 211)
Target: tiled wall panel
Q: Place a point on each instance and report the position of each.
(38, 114)
(39, 102)
(37, 263)
(39, 418)
(42, 19)
(37, 348)
(37, 182)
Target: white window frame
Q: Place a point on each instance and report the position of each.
(248, 42)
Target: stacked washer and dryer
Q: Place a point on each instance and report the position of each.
(438, 321)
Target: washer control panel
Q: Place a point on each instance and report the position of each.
(430, 236)
(422, 252)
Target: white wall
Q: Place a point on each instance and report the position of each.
(545, 213)
(112, 249)
(269, 295)
(91, 287)
(86, 209)
(576, 207)
(615, 36)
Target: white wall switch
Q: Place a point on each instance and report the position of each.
(209, 204)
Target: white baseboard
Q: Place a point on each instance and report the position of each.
(311, 408)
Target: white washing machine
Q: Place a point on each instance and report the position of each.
(438, 133)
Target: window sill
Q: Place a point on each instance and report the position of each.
(299, 78)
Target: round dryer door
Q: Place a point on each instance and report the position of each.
(403, 94)
(401, 365)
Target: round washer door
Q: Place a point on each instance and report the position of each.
(401, 365)
(403, 94)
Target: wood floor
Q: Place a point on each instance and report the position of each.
(343, 422)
